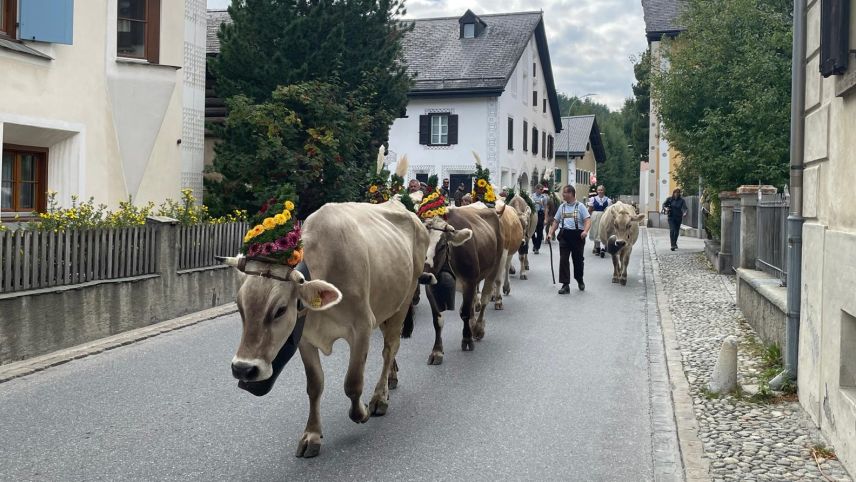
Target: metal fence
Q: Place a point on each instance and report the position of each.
(691, 219)
(43, 259)
(772, 224)
(197, 245)
(735, 238)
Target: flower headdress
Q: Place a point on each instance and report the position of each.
(276, 234)
(523, 195)
(483, 190)
(383, 186)
(434, 204)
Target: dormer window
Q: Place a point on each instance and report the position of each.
(471, 25)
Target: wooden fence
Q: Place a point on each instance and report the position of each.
(42, 259)
(198, 245)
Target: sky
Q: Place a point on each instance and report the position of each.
(590, 41)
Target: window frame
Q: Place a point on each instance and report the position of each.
(469, 24)
(9, 25)
(41, 155)
(439, 134)
(535, 99)
(151, 38)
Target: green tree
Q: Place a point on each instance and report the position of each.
(304, 137)
(725, 97)
(349, 49)
(637, 111)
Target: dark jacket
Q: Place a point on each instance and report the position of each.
(675, 207)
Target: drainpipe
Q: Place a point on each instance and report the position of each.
(795, 219)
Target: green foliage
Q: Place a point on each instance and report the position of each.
(332, 73)
(305, 138)
(725, 98)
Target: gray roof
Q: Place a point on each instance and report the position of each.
(661, 17)
(439, 59)
(581, 130)
(215, 18)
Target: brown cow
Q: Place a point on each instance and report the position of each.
(364, 260)
(512, 235)
(529, 220)
(470, 243)
(619, 230)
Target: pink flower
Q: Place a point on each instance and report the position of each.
(292, 238)
(282, 244)
(266, 249)
(253, 250)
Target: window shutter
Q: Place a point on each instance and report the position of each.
(47, 21)
(453, 129)
(534, 141)
(424, 129)
(834, 36)
(510, 134)
(535, 99)
(543, 145)
(525, 136)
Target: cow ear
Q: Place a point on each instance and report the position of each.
(318, 295)
(461, 236)
(638, 217)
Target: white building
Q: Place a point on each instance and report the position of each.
(482, 84)
(101, 98)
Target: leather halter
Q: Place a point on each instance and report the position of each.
(242, 265)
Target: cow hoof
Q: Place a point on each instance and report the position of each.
(378, 407)
(467, 345)
(477, 306)
(406, 334)
(435, 358)
(478, 332)
(498, 306)
(623, 281)
(309, 445)
(511, 270)
(506, 290)
(523, 276)
(360, 416)
(615, 280)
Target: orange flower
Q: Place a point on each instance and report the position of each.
(296, 257)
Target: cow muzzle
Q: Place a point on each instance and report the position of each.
(250, 370)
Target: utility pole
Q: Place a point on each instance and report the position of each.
(568, 150)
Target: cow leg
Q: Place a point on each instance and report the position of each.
(467, 312)
(506, 282)
(354, 377)
(310, 442)
(489, 282)
(498, 284)
(616, 269)
(436, 357)
(625, 260)
(407, 329)
(391, 330)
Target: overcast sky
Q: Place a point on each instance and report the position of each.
(590, 41)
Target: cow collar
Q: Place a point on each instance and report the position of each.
(289, 348)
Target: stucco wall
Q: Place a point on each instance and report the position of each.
(828, 315)
(112, 127)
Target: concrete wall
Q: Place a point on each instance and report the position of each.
(112, 125)
(36, 322)
(827, 363)
(763, 301)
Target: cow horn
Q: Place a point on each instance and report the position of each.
(296, 276)
(227, 260)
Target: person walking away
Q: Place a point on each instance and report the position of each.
(459, 193)
(676, 209)
(597, 205)
(573, 222)
(540, 201)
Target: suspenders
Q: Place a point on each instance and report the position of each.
(574, 214)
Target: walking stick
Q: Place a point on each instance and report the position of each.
(552, 268)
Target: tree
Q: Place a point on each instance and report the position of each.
(303, 139)
(348, 49)
(637, 111)
(725, 97)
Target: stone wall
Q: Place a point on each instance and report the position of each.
(763, 302)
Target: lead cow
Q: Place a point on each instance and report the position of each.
(364, 261)
(619, 230)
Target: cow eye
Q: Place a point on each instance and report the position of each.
(279, 312)
(628, 225)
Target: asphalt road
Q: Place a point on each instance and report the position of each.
(558, 390)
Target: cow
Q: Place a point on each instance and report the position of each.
(468, 242)
(529, 220)
(512, 235)
(619, 230)
(364, 261)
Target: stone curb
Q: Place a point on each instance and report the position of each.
(696, 466)
(33, 365)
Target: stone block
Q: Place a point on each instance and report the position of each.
(724, 376)
(817, 135)
(763, 301)
(812, 83)
(811, 178)
(812, 30)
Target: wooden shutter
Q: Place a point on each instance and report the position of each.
(153, 16)
(510, 134)
(47, 20)
(543, 145)
(834, 36)
(424, 129)
(453, 129)
(534, 140)
(525, 136)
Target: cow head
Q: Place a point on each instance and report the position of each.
(624, 225)
(267, 301)
(442, 236)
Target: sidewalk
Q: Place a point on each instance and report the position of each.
(742, 439)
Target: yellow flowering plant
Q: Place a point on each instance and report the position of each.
(275, 235)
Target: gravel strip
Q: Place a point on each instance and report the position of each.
(743, 440)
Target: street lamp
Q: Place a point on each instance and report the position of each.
(568, 151)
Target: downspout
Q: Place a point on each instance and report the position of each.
(795, 219)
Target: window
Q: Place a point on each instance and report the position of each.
(439, 129)
(535, 99)
(544, 104)
(549, 147)
(558, 176)
(543, 144)
(469, 30)
(139, 29)
(535, 141)
(422, 177)
(510, 134)
(24, 179)
(534, 70)
(8, 18)
(525, 136)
